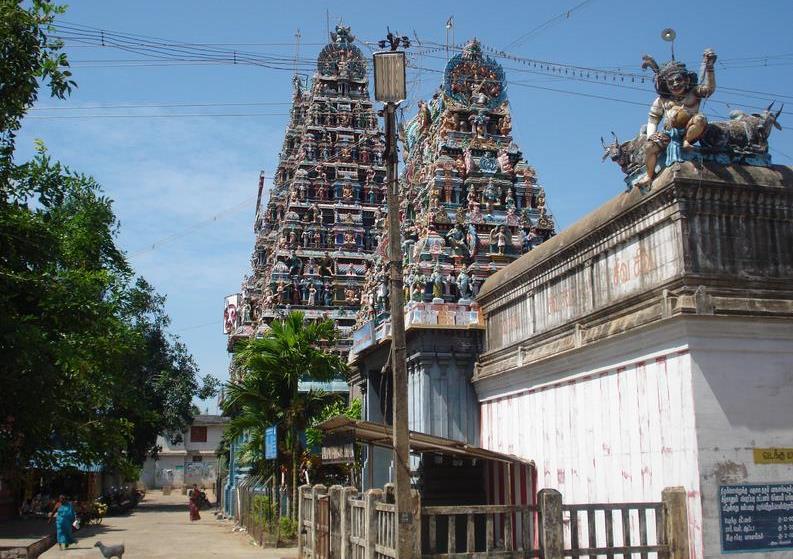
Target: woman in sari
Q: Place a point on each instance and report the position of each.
(64, 516)
(195, 499)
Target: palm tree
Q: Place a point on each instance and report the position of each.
(271, 367)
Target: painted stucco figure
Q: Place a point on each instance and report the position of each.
(678, 104)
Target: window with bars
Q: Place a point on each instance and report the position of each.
(198, 434)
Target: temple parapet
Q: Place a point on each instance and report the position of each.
(705, 241)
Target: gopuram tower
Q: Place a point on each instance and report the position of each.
(316, 234)
(471, 204)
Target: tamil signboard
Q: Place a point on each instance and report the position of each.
(338, 448)
(271, 443)
(756, 517)
(773, 455)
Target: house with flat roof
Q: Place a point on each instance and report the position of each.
(189, 461)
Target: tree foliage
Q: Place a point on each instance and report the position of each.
(29, 55)
(265, 392)
(86, 363)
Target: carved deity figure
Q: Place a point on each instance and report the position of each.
(424, 118)
(312, 295)
(456, 240)
(678, 104)
(492, 240)
(471, 197)
(464, 284)
(437, 282)
(501, 238)
(505, 127)
(295, 264)
(479, 124)
(326, 265)
(509, 200)
(490, 195)
(448, 124)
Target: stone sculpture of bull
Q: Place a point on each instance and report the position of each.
(628, 155)
(742, 134)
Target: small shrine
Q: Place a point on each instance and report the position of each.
(317, 233)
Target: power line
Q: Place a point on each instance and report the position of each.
(556, 19)
(197, 326)
(174, 51)
(197, 225)
(190, 115)
(157, 106)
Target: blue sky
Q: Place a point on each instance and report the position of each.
(184, 186)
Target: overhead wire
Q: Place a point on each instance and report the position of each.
(170, 51)
(192, 227)
(550, 22)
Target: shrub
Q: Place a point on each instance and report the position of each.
(288, 528)
(264, 510)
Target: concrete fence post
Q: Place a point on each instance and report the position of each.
(676, 521)
(549, 503)
(417, 520)
(301, 514)
(335, 494)
(346, 521)
(318, 491)
(372, 497)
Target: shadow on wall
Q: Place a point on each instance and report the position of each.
(752, 389)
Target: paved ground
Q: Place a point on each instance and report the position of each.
(160, 527)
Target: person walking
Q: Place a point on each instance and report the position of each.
(194, 504)
(63, 513)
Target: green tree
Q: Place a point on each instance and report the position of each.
(29, 55)
(266, 390)
(86, 364)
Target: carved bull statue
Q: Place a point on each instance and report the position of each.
(743, 133)
(628, 155)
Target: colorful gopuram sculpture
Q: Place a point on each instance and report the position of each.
(470, 203)
(686, 134)
(316, 235)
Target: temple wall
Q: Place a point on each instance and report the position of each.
(742, 373)
(618, 432)
(651, 345)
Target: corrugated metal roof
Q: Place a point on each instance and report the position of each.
(381, 435)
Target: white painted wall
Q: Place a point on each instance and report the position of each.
(175, 465)
(616, 435)
(743, 387)
(681, 403)
(214, 434)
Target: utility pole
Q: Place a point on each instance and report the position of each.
(390, 87)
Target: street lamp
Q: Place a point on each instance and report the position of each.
(390, 88)
(389, 76)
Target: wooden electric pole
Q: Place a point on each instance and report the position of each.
(405, 507)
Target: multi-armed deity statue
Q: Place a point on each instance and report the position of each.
(686, 133)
